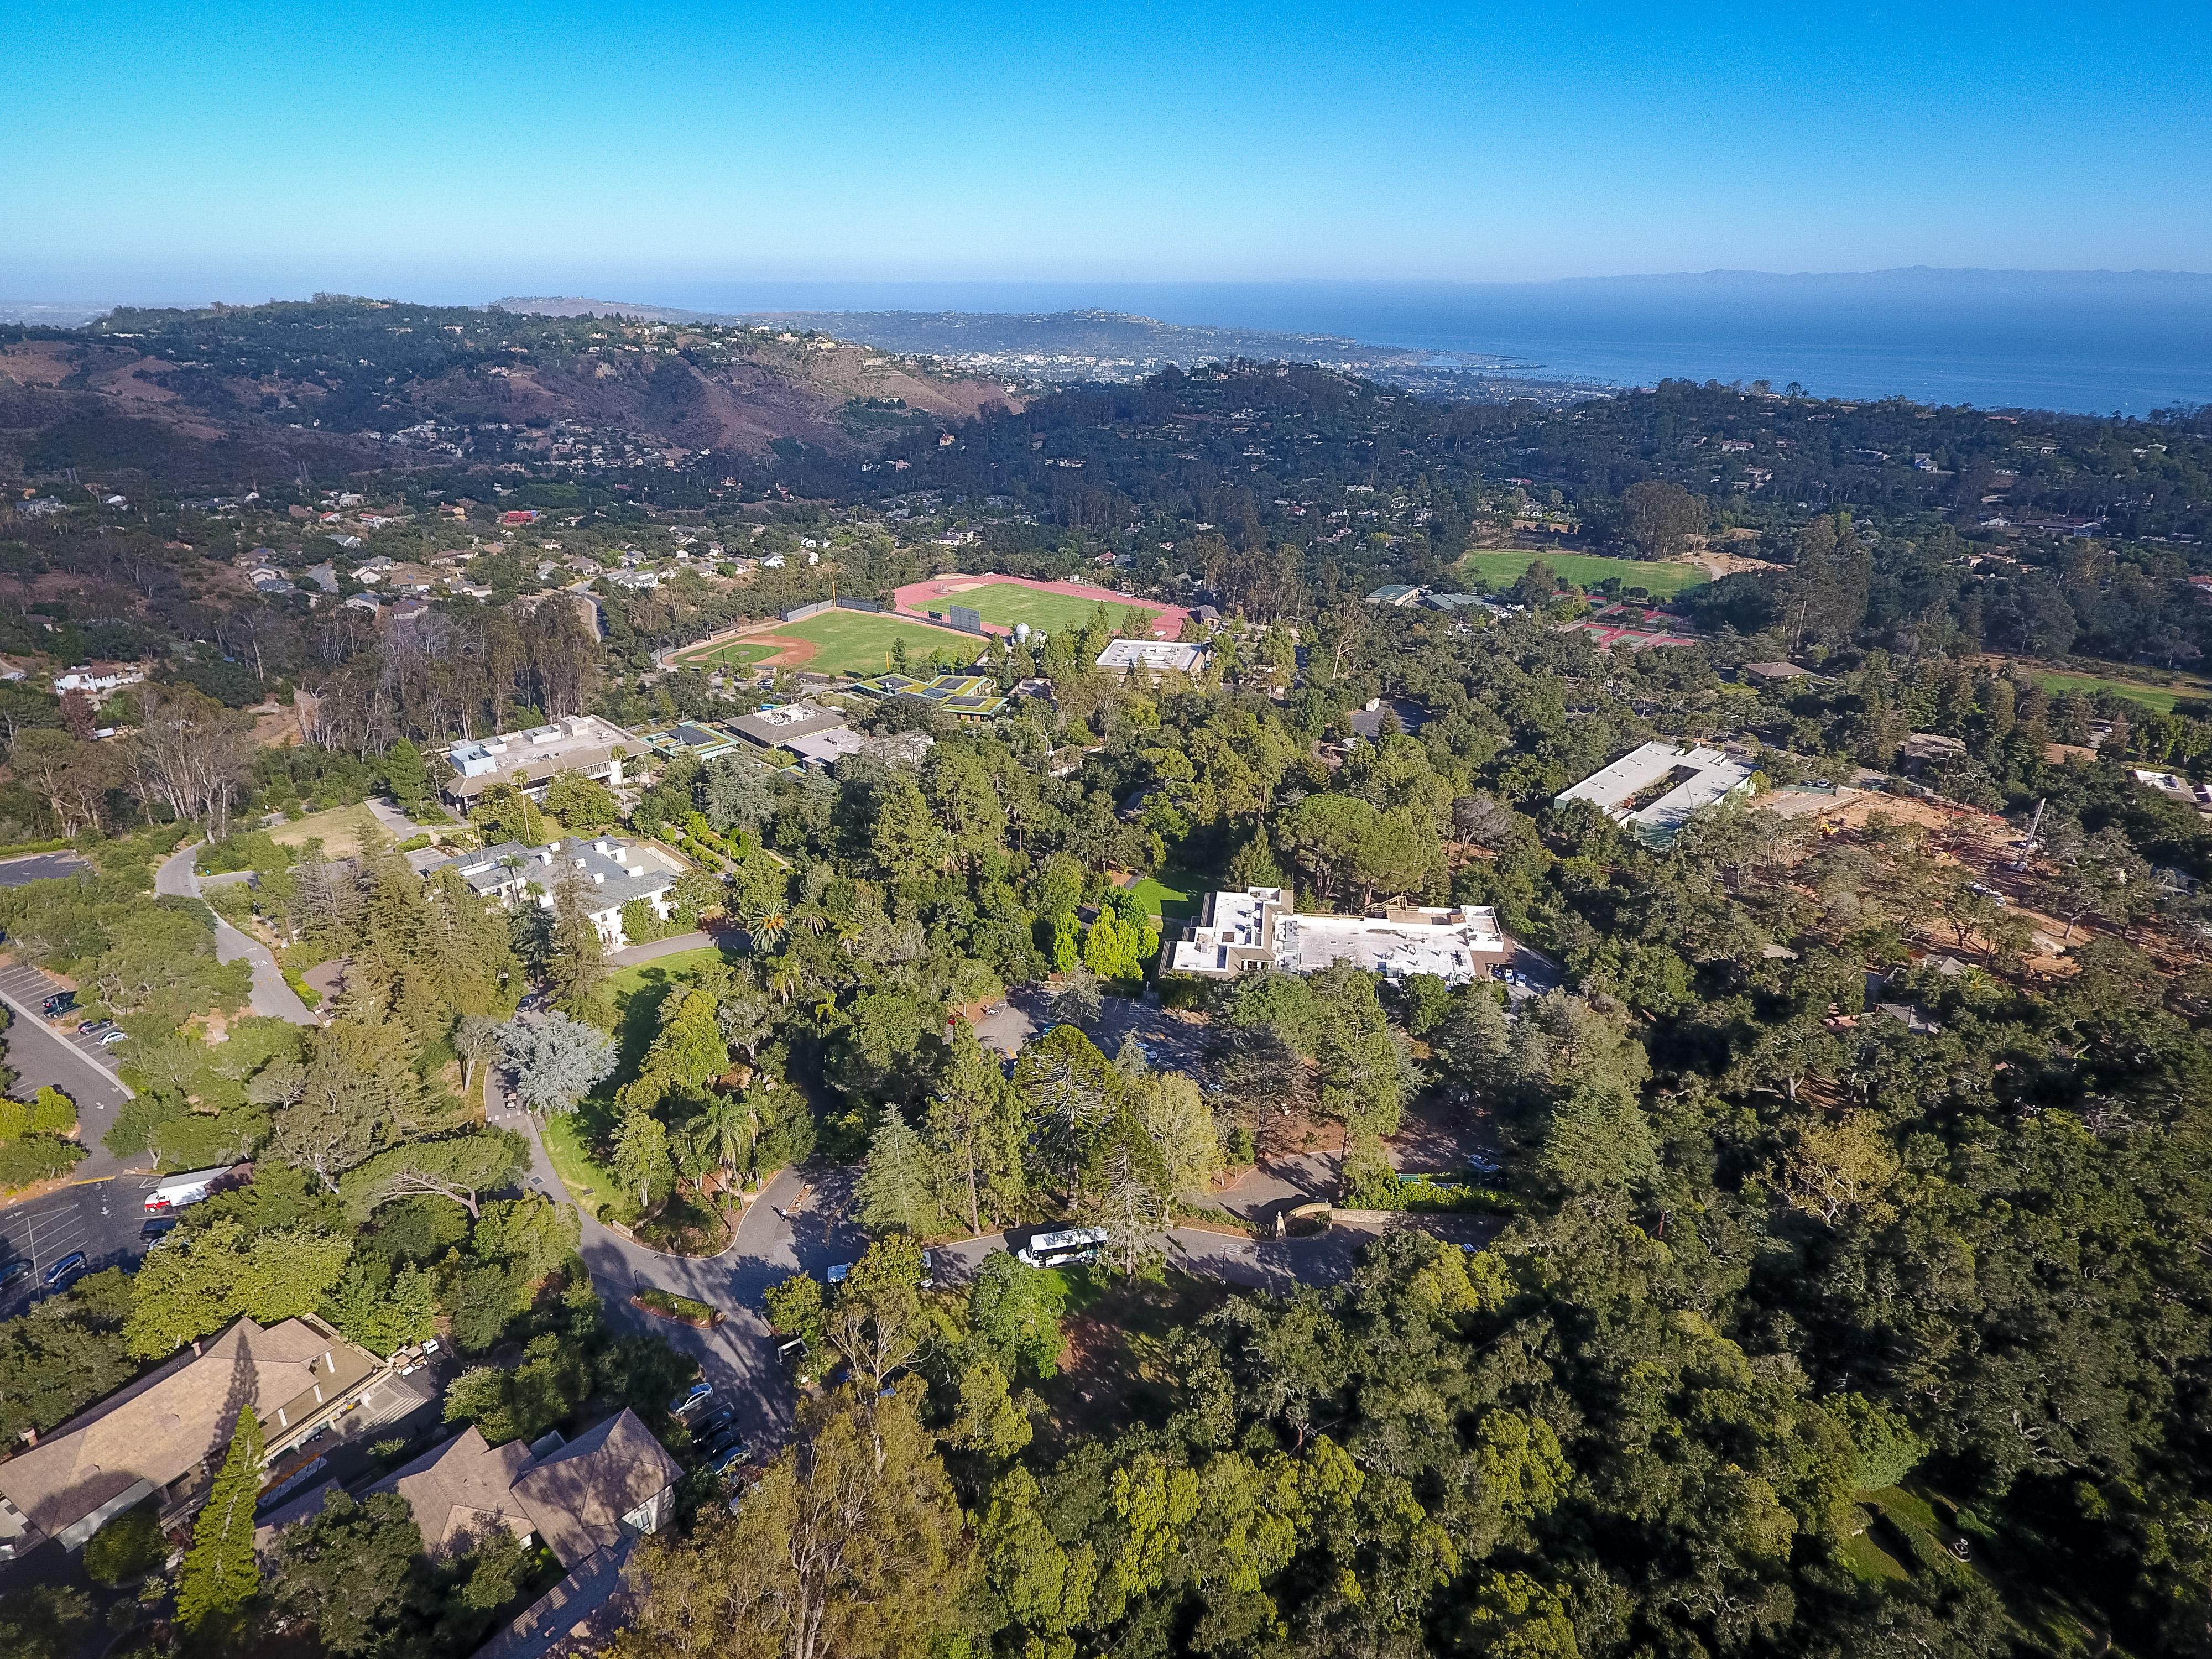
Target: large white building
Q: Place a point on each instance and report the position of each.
(1257, 929)
(1654, 790)
(1155, 656)
(612, 872)
(581, 742)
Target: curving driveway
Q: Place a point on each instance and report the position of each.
(802, 1222)
(271, 995)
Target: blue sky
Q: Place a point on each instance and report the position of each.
(165, 151)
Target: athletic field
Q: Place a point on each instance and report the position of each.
(1663, 580)
(858, 641)
(731, 653)
(1008, 602)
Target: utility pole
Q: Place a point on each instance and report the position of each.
(2034, 831)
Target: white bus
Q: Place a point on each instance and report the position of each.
(1063, 1250)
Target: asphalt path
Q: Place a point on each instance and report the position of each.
(271, 995)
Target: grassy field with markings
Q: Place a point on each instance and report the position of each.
(1007, 602)
(1585, 570)
(858, 641)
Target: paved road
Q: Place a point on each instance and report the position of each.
(40, 866)
(271, 995)
(630, 955)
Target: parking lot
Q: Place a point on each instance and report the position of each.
(100, 1217)
(24, 989)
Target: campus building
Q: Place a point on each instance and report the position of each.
(164, 1436)
(583, 744)
(612, 873)
(1153, 656)
(1258, 929)
(1653, 791)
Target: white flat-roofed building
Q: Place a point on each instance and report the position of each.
(1248, 932)
(1652, 791)
(1154, 656)
(581, 742)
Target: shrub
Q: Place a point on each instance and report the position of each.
(34, 1158)
(128, 1547)
(669, 1305)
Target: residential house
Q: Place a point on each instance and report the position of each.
(587, 1500)
(164, 1436)
(99, 680)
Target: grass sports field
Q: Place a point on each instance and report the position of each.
(1586, 570)
(733, 654)
(856, 641)
(1008, 602)
(2160, 699)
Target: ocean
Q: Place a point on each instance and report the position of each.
(2086, 342)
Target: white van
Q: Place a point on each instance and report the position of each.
(1077, 1244)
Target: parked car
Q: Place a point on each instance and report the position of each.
(712, 1422)
(109, 1039)
(14, 1272)
(93, 1027)
(721, 1443)
(160, 1227)
(1988, 892)
(64, 1272)
(58, 1004)
(692, 1397)
(730, 1457)
(1483, 1165)
(837, 1274)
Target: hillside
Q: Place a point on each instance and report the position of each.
(1069, 348)
(228, 392)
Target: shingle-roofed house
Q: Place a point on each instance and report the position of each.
(162, 1435)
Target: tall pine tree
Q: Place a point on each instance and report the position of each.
(975, 1128)
(220, 1574)
(897, 1188)
(576, 959)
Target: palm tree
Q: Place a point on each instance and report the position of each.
(767, 927)
(725, 1131)
(784, 981)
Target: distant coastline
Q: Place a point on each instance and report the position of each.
(2081, 341)
(2077, 342)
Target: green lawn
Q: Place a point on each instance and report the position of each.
(588, 1183)
(1008, 602)
(2159, 699)
(1586, 570)
(860, 642)
(1175, 903)
(339, 829)
(637, 992)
